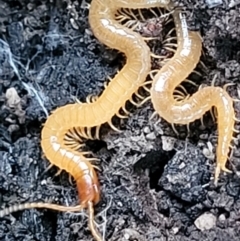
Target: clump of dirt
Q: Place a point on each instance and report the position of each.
(155, 184)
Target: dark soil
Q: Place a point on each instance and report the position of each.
(155, 185)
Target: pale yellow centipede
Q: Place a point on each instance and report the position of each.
(189, 109)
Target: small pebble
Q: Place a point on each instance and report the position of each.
(151, 136)
(206, 221)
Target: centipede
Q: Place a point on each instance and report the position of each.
(63, 134)
(78, 121)
(186, 110)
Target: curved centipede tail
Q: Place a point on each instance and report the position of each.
(20, 207)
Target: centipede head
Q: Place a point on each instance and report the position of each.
(88, 188)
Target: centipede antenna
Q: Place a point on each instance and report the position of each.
(91, 225)
(20, 207)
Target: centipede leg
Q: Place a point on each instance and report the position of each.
(213, 113)
(134, 102)
(235, 100)
(153, 115)
(91, 225)
(58, 172)
(144, 101)
(125, 110)
(97, 130)
(147, 88)
(139, 96)
(121, 116)
(227, 85)
(203, 65)
(236, 119)
(197, 73)
(236, 131)
(202, 122)
(170, 49)
(70, 179)
(167, 40)
(157, 56)
(174, 129)
(190, 82)
(220, 168)
(140, 14)
(113, 127)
